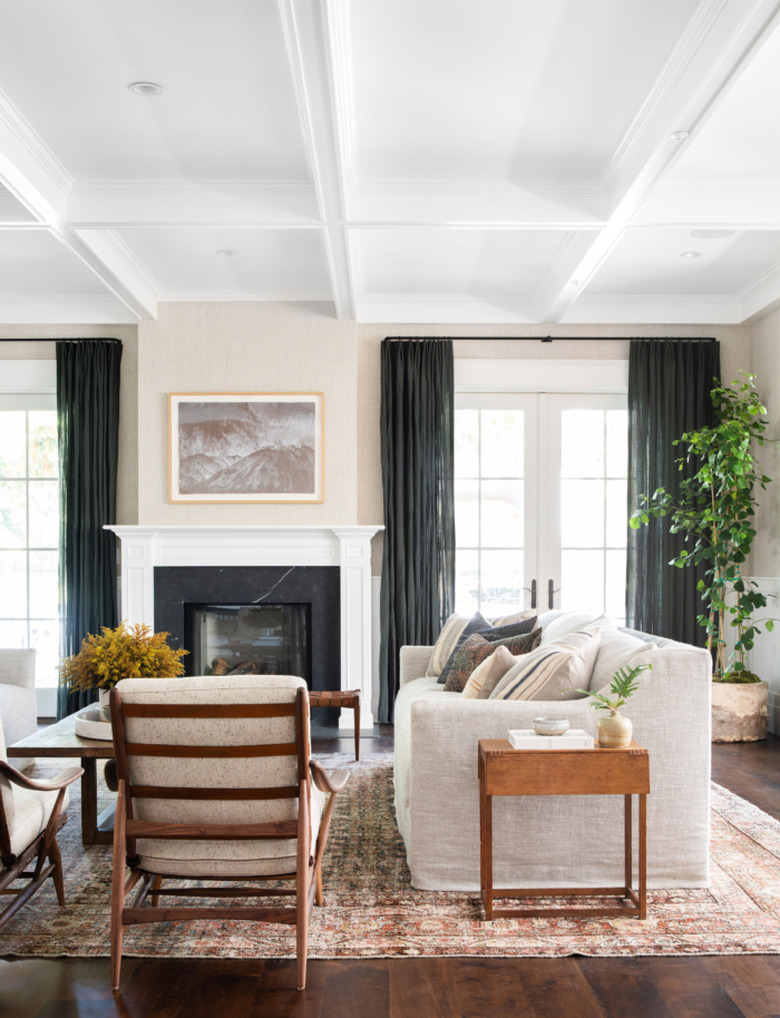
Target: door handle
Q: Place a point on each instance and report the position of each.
(551, 592)
(532, 588)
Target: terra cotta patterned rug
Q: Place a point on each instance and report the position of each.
(371, 909)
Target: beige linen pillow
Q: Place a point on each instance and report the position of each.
(456, 628)
(554, 671)
(484, 679)
(473, 651)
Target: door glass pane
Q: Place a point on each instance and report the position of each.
(501, 447)
(467, 582)
(43, 584)
(582, 443)
(502, 514)
(617, 513)
(467, 513)
(617, 443)
(45, 637)
(582, 580)
(582, 514)
(501, 582)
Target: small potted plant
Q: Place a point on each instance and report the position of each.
(127, 652)
(615, 730)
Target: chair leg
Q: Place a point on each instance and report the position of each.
(318, 894)
(302, 944)
(56, 860)
(118, 888)
(156, 885)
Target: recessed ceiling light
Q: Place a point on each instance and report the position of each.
(679, 135)
(691, 254)
(226, 252)
(145, 88)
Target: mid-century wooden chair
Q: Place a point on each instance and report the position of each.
(31, 813)
(216, 784)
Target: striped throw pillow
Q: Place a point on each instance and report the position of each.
(553, 671)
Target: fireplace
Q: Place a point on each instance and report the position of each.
(249, 639)
(167, 570)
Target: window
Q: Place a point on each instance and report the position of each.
(540, 491)
(29, 520)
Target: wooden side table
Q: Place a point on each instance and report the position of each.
(339, 698)
(507, 771)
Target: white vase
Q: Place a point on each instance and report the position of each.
(614, 731)
(103, 704)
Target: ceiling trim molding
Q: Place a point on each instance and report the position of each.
(233, 296)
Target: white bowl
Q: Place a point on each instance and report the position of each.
(550, 726)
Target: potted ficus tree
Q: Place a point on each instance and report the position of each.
(714, 511)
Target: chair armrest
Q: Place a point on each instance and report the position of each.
(62, 780)
(332, 782)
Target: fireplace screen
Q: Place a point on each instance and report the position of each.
(237, 639)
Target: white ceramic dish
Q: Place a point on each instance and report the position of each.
(550, 726)
(88, 725)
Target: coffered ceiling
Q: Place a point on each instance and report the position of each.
(486, 161)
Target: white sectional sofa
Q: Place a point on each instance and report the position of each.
(555, 841)
(18, 715)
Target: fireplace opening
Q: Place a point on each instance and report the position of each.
(249, 639)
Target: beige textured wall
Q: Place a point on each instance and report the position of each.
(766, 365)
(37, 345)
(237, 347)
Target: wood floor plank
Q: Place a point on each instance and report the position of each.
(623, 987)
(356, 989)
(689, 989)
(752, 982)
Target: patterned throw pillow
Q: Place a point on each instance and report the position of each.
(473, 651)
(520, 628)
(554, 670)
(456, 629)
(484, 679)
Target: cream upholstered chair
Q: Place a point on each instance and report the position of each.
(216, 783)
(17, 696)
(31, 813)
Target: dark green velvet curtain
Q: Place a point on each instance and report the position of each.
(669, 384)
(88, 425)
(418, 568)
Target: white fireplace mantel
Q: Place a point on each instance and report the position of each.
(145, 548)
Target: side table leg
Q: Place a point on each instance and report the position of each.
(486, 847)
(629, 842)
(357, 727)
(643, 856)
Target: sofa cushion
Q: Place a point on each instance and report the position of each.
(473, 651)
(456, 629)
(573, 622)
(485, 677)
(615, 650)
(553, 671)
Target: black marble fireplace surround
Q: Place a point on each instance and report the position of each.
(177, 586)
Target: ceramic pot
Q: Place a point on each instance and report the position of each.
(103, 707)
(614, 731)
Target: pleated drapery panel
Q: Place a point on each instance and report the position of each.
(669, 385)
(418, 568)
(88, 372)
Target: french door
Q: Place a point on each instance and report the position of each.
(540, 496)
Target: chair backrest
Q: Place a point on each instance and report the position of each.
(17, 666)
(231, 749)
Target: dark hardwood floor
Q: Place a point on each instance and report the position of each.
(695, 987)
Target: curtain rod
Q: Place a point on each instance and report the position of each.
(549, 339)
(58, 339)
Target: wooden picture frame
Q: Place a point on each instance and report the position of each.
(246, 446)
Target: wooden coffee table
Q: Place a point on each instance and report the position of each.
(60, 740)
(507, 771)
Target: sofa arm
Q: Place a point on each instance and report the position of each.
(413, 663)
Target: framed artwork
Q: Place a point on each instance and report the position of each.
(246, 446)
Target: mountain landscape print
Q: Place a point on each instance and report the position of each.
(237, 447)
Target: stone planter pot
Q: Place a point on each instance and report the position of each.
(614, 731)
(740, 711)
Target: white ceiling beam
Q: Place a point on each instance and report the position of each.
(318, 67)
(717, 45)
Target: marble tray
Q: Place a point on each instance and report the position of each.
(88, 725)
